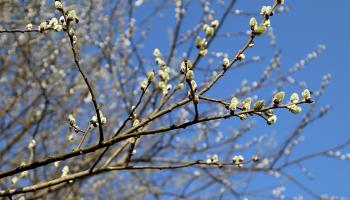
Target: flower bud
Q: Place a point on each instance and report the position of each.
(14, 180)
(42, 26)
(160, 62)
(72, 15)
(225, 62)
(56, 164)
(241, 56)
(61, 20)
(233, 104)
(53, 22)
(199, 43)
(259, 105)
(103, 120)
(186, 65)
(260, 30)
(306, 95)
(243, 116)
(65, 171)
(135, 123)
(208, 161)
(59, 27)
(166, 89)
(156, 53)
(215, 158)
(294, 98)
(193, 85)
(143, 85)
(255, 158)
(189, 75)
(294, 109)
(161, 84)
(180, 86)
(266, 10)
(246, 103)
(205, 27)
(238, 160)
(70, 137)
(94, 120)
(58, 5)
(203, 52)
(31, 144)
(209, 31)
(214, 24)
(253, 23)
(29, 26)
(150, 76)
(271, 120)
(278, 98)
(71, 119)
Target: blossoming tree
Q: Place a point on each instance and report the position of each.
(89, 110)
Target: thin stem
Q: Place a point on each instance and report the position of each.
(87, 173)
(75, 51)
(19, 31)
(85, 133)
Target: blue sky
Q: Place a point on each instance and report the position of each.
(299, 32)
(308, 24)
